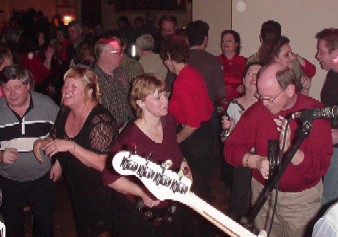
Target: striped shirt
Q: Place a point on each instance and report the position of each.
(20, 133)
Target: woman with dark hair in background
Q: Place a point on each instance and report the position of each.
(281, 52)
(240, 194)
(31, 61)
(233, 64)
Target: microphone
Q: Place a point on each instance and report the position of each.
(316, 113)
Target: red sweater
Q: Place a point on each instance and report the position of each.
(233, 74)
(190, 103)
(256, 126)
(132, 136)
(309, 69)
(36, 67)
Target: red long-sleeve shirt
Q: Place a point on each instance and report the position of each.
(256, 126)
(309, 69)
(190, 103)
(36, 67)
(233, 74)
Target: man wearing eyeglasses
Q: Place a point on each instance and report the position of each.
(114, 85)
(300, 187)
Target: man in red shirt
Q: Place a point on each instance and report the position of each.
(300, 187)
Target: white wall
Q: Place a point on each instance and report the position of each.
(300, 20)
(217, 13)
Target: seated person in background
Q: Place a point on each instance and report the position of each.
(151, 62)
(240, 194)
(81, 138)
(154, 131)
(233, 64)
(281, 52)
(300, 186)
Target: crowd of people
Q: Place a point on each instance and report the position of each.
(72, 98)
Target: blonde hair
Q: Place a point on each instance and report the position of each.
(142, 86)
(87, 77)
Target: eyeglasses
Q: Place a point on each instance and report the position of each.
(270, 99)
(119, 53)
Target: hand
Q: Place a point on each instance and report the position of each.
(186, 169)
(284, 131)
(38, 146)
(50, 52)
(148, 201)
(299, 59)
(241, 89)
(9, 155)
(262, 164)
(55, 172)
(334, 133)
(305, 82)
(58, 145)
(227, 123)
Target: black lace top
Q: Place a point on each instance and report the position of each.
(85, 184)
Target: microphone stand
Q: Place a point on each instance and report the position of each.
(247, 222)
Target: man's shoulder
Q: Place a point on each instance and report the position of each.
(308, 102)
(148, 57)
(39, 98)
(197, 53)
(129, 61)
(99, 73)
(43, 103)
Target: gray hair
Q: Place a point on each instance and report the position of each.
(16, 72)
(102, 43)
(145, 42)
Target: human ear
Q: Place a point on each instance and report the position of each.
(290, 90)
(140, 103)
(335, 56)
(90, 92)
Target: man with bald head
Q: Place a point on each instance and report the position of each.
(300, 187)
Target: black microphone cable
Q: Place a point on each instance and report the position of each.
(277, 184)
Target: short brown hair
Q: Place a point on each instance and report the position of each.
(142, 86)
(286, 77)
(330, 36)
(16, 72)
(176, 47)
(268, 51)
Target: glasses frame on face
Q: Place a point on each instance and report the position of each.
(119, 53)
(269, 99)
